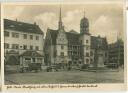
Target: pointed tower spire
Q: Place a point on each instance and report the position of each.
(60, 15)
(60, 20)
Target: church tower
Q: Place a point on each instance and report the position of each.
(84, 25)
(61, 47)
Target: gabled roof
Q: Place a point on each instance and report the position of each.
(73, 31)
(73, 38)
(22, 27)
(53, 35)
(31, 54)
(98, 41)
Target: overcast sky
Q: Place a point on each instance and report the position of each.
(105, 19)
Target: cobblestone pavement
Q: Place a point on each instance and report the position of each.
(64, 77)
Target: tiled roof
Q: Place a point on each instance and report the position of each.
(31, 54)
(98, 41)
(22, 27)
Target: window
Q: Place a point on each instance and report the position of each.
(31, 47)
(37, 47)
(87, 61)
(91, 53)
(27, 58)
(62, 47)
(91, 60)
(31, 37)
(25, 36)
(62, 54)
(16, 35)
(15, 46)
(37, 37)
(6, 45)
(33, 60)
(86, 41)
(81, 41)
(87, 54)
(106, 54)
(24, 46)
(6, 34)
(20, 46)
(87, 47)
(39, 60)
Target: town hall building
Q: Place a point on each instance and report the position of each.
(72, 48)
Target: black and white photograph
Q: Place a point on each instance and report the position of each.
(63, 43)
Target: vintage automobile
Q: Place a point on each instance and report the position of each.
(52, 68)
(31, 67)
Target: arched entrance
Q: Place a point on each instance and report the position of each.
(12, 60)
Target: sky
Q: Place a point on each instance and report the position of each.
(105, 19)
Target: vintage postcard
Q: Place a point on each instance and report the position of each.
(67, 45)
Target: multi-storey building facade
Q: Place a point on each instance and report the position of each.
(67, 48)
(116, 54)
(99, 51)
(23, 42)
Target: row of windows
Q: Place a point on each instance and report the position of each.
(16, 46)
(70, 47)
(87, 41)
(75, 47)
(78, 53)
(16, 35)
(72, 53)
(39, 60)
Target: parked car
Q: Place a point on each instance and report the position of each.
(52, 68)
(31, 67)
(35, 67)
(85, 66)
